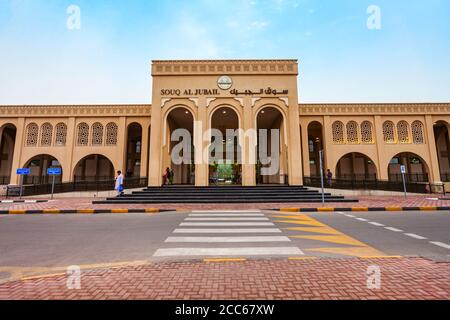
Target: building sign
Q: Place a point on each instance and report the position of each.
(216, 92)
(23, 171)
(225, 83)
(54, 171)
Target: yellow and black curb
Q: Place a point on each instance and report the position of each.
(361, 209)
(83, 211)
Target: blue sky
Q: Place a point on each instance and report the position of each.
(107, 60)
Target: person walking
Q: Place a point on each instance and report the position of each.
(171, 175)
(119, 184)
(329, 178)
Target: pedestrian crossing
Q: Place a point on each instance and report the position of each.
(210, 234)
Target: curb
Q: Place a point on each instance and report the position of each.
(360, 209)
(83, 211)
(23, 201)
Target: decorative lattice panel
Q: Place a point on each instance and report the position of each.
(111, 134)
(61, 134)
(46, 134)
(83, 134)
(388, 132)
(97, 134)
(338, 132)
(366, 132)
(403, 132)
(417, 132)
(32, 135)
(352, 132)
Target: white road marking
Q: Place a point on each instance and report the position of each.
(226, 215)
(226, 224)
(257, 251)
(7, 201)
(393, 229)
(260, 230)
(350, 216)
(376, 224)
(227, 219)
(362, 219)
(415, 236)
(227, 239)
(440, 244)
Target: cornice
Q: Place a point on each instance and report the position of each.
(374, 108)
(74, 110)
(220, 67)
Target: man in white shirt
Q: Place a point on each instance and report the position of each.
(119, 183)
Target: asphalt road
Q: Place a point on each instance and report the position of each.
(62, 240)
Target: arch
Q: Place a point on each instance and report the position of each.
(280, 109)
(442, 145)
(82, 134)
(271, 118)
(112, 131)
(403, 132)
(168, 111)
(181, 165)
(352, 132)
(367, 132)
(94, 167)
(388, 132)
(8, 134)
(46, 134)
(61, 134)
(356, 166)
(134, 147)
(315, 145)
(97, 134)
(32, 135)
(417, 132)
(417, 170)
(338, 132)
(38, 165)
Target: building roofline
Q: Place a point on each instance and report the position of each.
(223, 61)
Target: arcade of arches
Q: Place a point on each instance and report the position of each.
(359, 141)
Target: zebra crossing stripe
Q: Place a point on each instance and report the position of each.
(243, 251)
(226, 215)
(226, 219)
(225, 230)
(226, 224)
(226, 239)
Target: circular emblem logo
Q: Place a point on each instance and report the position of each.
(225, 82)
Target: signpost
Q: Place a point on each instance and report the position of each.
(403, 171)
(54, 172)
(321, 176)
(22, 172)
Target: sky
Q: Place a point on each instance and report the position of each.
(346, 53)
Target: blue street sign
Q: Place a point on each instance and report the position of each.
(54, 171)
(23, 171)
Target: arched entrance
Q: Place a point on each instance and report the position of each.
(38, 166)
(7, 144)
(315, 145)
(416, 168)
(94, 167)
(179, 155)
(225, 165)
(134, 148)
(441, 135)
(271, 167)
(356, 167)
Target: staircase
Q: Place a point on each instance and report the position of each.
(223, 194)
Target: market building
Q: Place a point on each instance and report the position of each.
(360, 141)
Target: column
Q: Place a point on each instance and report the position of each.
(144, 149)
(327, 136)
(305, 149)
(122, 145)
(248, 168)
(200, 128)
(294, 143)
(68, 165)
(434, 163)
(382, 171)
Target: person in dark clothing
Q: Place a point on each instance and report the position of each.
(329, 178)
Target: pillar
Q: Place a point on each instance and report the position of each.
(305, 150)
(144, 150)
(248, 124)
(327, 136)
(435, 175)
(294, 143)
(18, 150)
(382, 172)
(201, 126)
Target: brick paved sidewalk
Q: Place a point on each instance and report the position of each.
(401, 278)
(367, 201)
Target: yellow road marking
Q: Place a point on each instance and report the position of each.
(17, 212)
(151, 210)
(349, 251)
(301, 222)
(290, 209)
(119, 211)
(428, 208)
(394, 209)
(324, 230)
(339, 239)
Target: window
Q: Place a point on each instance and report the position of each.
(417, 132)
(46, 134)
(97, 134)
(32, 134)
(61, 134)
(111, 134)
(352, 132)
(83, 134)
(403, 132)
(388, 132)
(366, 132)
(338, 132)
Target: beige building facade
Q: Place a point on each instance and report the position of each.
(360, 141)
